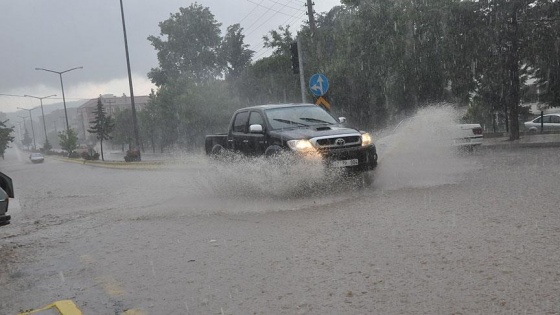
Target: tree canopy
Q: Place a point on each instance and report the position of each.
(5, 136)
(385, 59)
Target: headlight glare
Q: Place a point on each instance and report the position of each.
(300, 145)
(366, 139)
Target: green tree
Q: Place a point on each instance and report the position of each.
(165, 110)
(280, 40)
(5, 137)
(542, 40)
(270, 79)
(47, 146)
(123, 131)
(188, 46)
(234, 53)
(149, 120)
(68, 141)
(102, 125)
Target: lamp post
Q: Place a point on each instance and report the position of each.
(32, 129)
(60, 73)
(20, 132)
(42, 112)
(24, 126)
(134, 120)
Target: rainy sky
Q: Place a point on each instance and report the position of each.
(63, 34)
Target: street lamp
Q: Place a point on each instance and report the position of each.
(62, 86)
(24, 124)
(32, 129)
(20, 133)
(42, 112)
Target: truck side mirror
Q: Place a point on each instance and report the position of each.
(256, 129)
(342, 119)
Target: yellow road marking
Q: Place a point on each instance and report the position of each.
(64, 307)
(134, 312)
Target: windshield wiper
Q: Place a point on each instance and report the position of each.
(286, 121)
(315, 120)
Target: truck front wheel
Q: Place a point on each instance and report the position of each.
(272, 151)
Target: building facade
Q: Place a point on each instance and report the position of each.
(112, 105)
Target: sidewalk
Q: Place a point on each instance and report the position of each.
(525, 141)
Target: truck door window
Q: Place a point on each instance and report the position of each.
(240, 122)
(256, 119)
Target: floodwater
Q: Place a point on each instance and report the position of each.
(438, 232)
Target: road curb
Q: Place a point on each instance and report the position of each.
(515, 145)
(115, 164)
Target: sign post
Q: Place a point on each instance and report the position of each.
(319, 86)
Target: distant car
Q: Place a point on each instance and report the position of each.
(550, 122)
(37, 158)
(468, 136)
(6, 192)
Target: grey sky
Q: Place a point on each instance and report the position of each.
(62, 34)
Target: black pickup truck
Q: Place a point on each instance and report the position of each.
(303, 129)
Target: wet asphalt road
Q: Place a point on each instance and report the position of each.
(468, 234)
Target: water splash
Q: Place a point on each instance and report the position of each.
(418, 152)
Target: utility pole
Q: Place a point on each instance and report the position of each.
(310, 14)
(301, 75)
(133, 106)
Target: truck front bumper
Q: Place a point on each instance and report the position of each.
(358, 158)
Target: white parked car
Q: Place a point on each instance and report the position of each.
(468, 135)
(550, 122)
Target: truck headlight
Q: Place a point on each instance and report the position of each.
(366, 139)
(300, 145)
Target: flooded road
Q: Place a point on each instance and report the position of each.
(478, 236)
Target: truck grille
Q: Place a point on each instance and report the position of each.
(337, 141)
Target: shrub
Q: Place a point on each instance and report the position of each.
(89, 157)
(132, 156)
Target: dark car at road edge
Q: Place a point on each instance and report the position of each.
(6, 192)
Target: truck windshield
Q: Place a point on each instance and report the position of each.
(298, 116)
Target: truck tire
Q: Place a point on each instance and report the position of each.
(218, 152)
(272, 151)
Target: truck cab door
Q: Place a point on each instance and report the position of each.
(237, 140)
(256, 140)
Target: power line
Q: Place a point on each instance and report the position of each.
(254, 8)
(286, 5)
(267, 49)
(292, 17)
(288, 21)
(270, 8)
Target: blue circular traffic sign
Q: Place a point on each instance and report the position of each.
(318, 84)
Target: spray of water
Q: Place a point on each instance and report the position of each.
(284, 176)
(418, 152)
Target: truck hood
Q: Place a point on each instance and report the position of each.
(312, 132)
